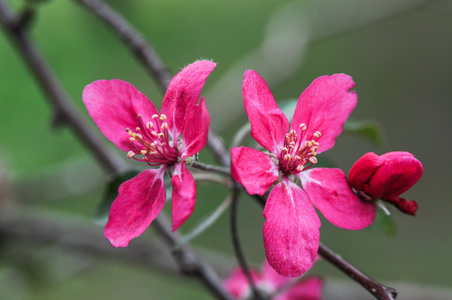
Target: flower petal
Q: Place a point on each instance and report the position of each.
(139, 201)
(196, 129)
(184, 195)
(253, 169)
(400, 171)
(114, 106)
(325, 106)
(308, 289)
(268, 123)
(291, 230)
(237, 284)
(183, 92)
(330, 193)
(363, 169)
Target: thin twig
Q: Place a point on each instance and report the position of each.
(133, 39)
(216, 169)
(56, 94)
(240, 135)
(238, 248)
(377, 289)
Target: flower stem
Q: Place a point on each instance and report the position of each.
(216, 169)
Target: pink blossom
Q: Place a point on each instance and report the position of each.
(386, 177)
(132, 122)
(291, 231)
(270, 282)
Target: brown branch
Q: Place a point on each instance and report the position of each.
(133, 39)
(377, 289)
(56, 94)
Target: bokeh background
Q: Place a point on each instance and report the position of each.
(398, 52)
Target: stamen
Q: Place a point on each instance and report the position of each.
(143, 152)
(162, 117)
(164, 126)
(149, 125)
(132, 139)
(317, 134)
(313, 159)
(303, 127)
(155, 116)
(300, 168)
(137, 129)
(139, 116)
(130, 154)
(161, 135)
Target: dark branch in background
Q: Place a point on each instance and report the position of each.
(188, 263)
(377, 289)
(68, 113)
(134, 40)
(64, 109)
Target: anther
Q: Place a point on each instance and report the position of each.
(317, 134)
(161, 135)
(162, 117)
(149, 125)
(155, 116)
(313, 159)
(137, 129)
(130, 154)
(300, 168)
(143, 152)
(303, 126)
(127, 129)
(139, 116)
(164, 126)
(132, 139)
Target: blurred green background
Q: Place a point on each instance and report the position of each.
(398, 53)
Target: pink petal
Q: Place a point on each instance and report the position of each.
(184, 195)
(308, 289)
(114, 106)
(183, 92)
(330, 193)
(237, 284)
(363, 169)
(139, 201)
(291, 230)
(400, 171)
(253, 169)
(268, 123)
(325, 106)
(196, 129)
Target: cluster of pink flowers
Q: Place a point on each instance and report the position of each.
(291, 232)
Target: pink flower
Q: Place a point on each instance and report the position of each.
(132, 122)
(386, 177)
(291, 230)
(270, 282)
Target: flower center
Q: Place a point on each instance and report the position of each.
(298, 151)
(152, 142)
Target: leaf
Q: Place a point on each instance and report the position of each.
(368, 129)
(110, 194)
(383, 224)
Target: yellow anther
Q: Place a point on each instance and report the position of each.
(143, 152)
(162, 117)
(130, 154)
(149, 125)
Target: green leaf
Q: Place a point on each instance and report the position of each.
(383, 224)
(110, 194)
(366, 129)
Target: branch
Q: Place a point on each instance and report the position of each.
(133, 39)
(187, 261)
(377, 289)
(56, 94)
